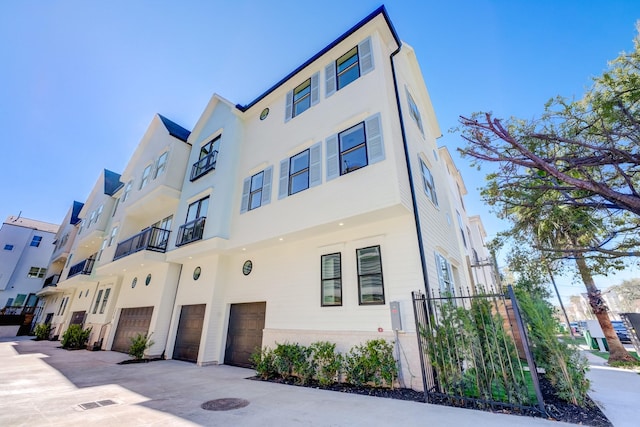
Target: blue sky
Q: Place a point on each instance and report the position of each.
(81, 80)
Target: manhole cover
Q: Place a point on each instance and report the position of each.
(226, 404)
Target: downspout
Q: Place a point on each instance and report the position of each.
(414, 200)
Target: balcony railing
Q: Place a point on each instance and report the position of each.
(204, 165)
(51, 280)
(83, 267)
(151, 239)
(191, 231)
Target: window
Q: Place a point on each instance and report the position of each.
(161, 164)
(92, 218)
(8, 247)
(413, 111)
(95, 306)
(63, 305)
(301, 171)
(357, 62)
(355, 148)
(145, 176)
(105, 299)
(256, 191)
(197, 209)
(370, 286)
(445, 278)
(114, 232)
(99, 212)
(36, 272)
(464, 239)
(19, 301)
(429, 186)
(115, 207)
(36, 241)
(207, 159)
(460, 196)
(303, 97)
(104, 245)
(127, 190)
(331, 279)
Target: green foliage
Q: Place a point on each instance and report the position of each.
(371, 362)
(325, 362)
(75, 337)
(263, 361)
(565, 367)
(292, 360)
(139, 344)
(42, 331)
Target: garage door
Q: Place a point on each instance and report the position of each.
(133, 321)
(77, 318)
(189, 332)
(246, 322)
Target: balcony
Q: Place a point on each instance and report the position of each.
(151, 239)
(204, 165)
(51, 280)
(191, 231)
(83, 267)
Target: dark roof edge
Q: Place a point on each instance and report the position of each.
(175, 129)
(381, 10)
(75, 211)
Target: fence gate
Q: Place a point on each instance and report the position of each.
(474, 351)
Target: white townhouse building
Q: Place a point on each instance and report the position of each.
(309, 214)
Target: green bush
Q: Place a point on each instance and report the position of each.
(372, 362)
(292, 360)
(263, 361)
(42, 331)
(326, 363)
(139, 344)
(75, 337)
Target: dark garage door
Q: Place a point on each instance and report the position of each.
(132, 321)
(246, 322)
(77, 318)
(189, 332)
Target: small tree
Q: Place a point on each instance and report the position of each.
(75, 337)
(42, 331)
(139, 345)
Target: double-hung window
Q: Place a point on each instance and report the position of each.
(98, 213)
(464, 239)
(146, 176)
(35, 241)
(331, 280)
(127, 190)
(356, 62)
(445, 278)
(104, 300)
(299, 172)
(161, 164)
(355, 148)
(414, 112)
(370, 284)
(112, 237)
(97, 303)
(256, 190)
(302, 97)
(427, 180)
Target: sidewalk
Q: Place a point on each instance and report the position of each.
(42, 385)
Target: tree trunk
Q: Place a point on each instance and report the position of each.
(617, 352)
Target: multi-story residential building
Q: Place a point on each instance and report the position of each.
(25, 249)
(304, 215)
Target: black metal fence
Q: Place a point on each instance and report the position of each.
(474, 351)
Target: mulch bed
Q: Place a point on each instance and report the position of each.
(557, 409)
(132, 361)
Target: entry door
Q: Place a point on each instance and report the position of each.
(77, 318)
(246, 322)
(189, 332)
(132, 321)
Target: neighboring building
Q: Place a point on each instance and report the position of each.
(298, 217)
(25, 249)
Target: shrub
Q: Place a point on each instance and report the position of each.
(263, 361)
(293, 360)
(139, 344)
(325, 362)
(75, 337)
(42, 331)
(372, 362)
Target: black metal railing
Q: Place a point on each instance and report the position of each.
(51, 280)
(204, 165)
(83, 267)
(191, 231)
(151, 239)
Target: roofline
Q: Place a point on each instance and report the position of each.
(379, 11)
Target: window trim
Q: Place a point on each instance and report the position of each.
(247, 192)
(360, 276)
(364, 62)
(428, 183)
(323, 279)
(36, 272)
(161, 164)
(97, 303)
(306, 98)
(146, 176)
(351, 53)
(353, 149)
(105, 298)
(127, 191)
(414, 111)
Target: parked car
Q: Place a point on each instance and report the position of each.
(621, 331)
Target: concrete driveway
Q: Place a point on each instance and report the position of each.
(43, 385)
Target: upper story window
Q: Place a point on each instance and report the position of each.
(193, 228)
(8, 247)
(256, 191)
(114, 233)
(445, 278)
(302, 171)
(97, 303)
(197, 209)
(104, 300)
(414, 112)
(206, 159)
(146, 176)
(92, 218)
(464, 239)
(161, 164)
(370, 284)
(99, 212)
(460, 196)
(355, 148)
(303, 97)
(427, 180)
(357, 62)
(36, 241)
(36, 272)
(127, 190)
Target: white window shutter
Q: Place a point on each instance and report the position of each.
(365, 56)
(333, 157)
(266, 186)
(246, 187)
(315, 165)
(375, 145)
(283, 189)
(315, 88)
(330, 79)
(288, 111)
